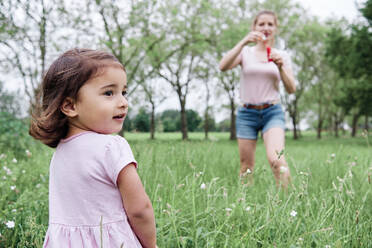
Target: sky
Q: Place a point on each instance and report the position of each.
(329, 8)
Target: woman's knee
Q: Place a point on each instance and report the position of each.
(276, 163)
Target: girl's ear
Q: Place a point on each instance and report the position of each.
(68, 107)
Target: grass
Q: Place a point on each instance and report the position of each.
(199, 202)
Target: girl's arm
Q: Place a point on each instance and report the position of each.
(137, 206)
(232, 58)
(286, 73)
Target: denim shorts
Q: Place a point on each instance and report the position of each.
(250, 121)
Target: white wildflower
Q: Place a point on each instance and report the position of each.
(10, 224)
(333, 155)
(203, 186)
(293, 213)
(215, 179)
(23, 171)
(14, 160)
(228, 209)
(12, 187)
(2, 156)
(327, 246)
(4, 177)
(248, 208)
(14, 210)
(283, 169)
(224, 192)
(38, 185)
(7, 170)
(28, 153)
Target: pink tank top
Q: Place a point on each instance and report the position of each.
(259, 81)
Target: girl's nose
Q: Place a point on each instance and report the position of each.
(123, 102)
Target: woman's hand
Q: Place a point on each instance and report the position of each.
(277, 59)
(253, 37)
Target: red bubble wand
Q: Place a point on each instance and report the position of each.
(268, 50)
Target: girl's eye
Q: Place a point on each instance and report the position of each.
(124, 93)
(108, 93)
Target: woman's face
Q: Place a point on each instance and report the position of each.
(266, 24)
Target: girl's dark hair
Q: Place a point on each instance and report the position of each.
(63, 79)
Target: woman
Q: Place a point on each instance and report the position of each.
(262, 70)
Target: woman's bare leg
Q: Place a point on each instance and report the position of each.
(247, 149)
(274, 143)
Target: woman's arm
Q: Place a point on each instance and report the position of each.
(288, 79)
(232, 58)
(137, 206)
(285, 71)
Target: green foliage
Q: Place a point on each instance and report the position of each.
(193, 120)
(14, 135)
(9, 102)
(223, 126)
(350, 56)
(170, 120)
(128, 124)
(142, 121)
(367, 11)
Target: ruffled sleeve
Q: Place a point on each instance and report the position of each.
(118, 155)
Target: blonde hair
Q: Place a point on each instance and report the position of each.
(265, 12)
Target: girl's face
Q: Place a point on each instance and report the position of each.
(101, 105)
(266, 24)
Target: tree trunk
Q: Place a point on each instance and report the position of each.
(152, 122)
(319, 129)
(335, 125)
(183, 121)
(354, 125)
(206, 124)
(294, 123)
(366, 126)
(232, 120)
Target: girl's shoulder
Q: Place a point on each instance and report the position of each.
(94, 142)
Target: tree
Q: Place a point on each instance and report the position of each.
(170, 120)
(29, 34)
(142, 120)
(348, 52)
(193, 120)
(186, 36)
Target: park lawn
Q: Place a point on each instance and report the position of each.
(199, 202)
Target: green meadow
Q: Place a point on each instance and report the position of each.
(199, 201)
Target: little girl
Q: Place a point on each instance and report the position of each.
(96, 198)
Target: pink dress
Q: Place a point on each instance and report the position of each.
(85, 205)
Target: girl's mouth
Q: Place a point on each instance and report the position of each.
(119, 116)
